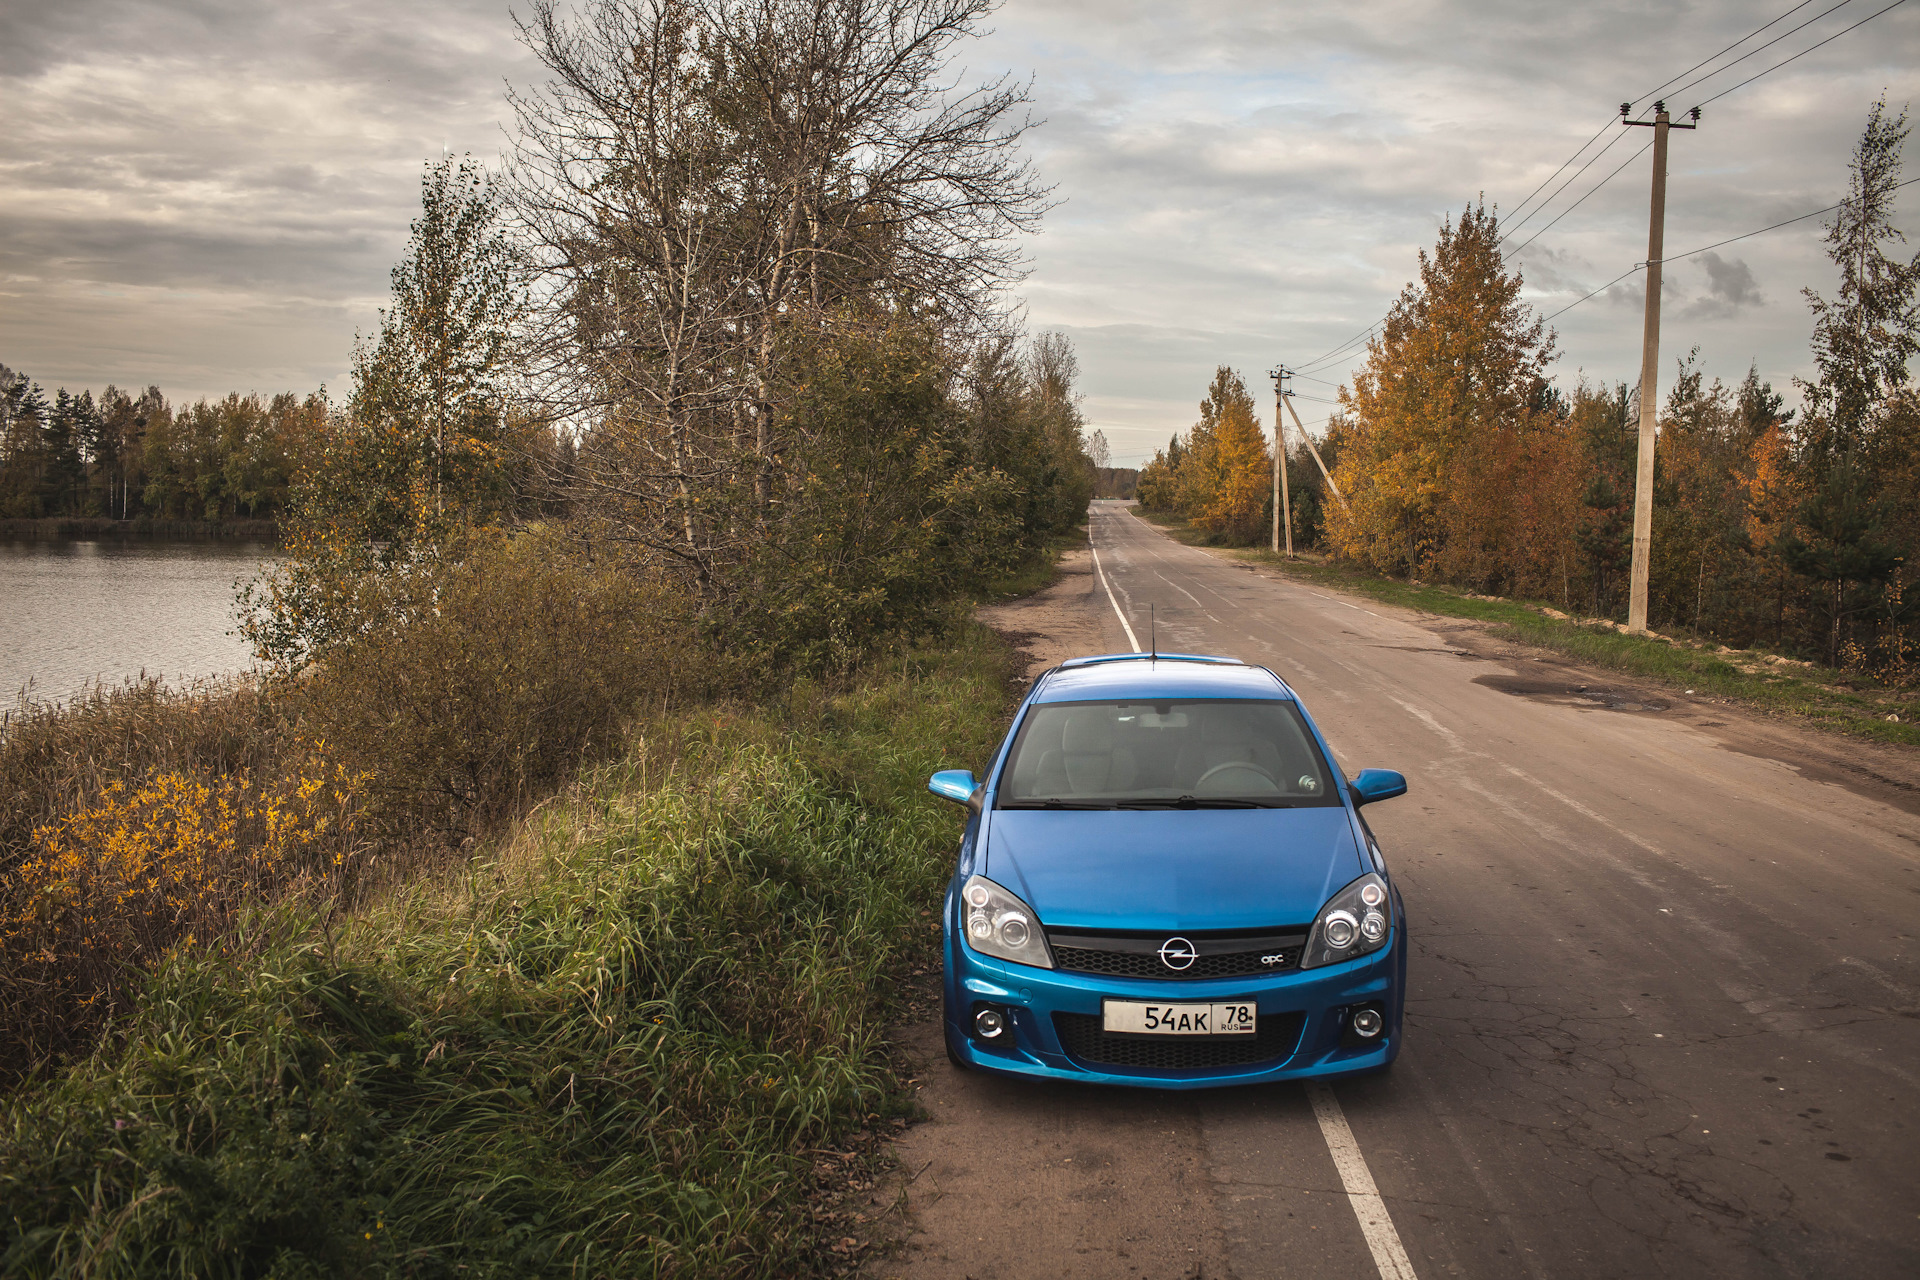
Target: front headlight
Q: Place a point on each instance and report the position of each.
(998, 924)
(1355, 921)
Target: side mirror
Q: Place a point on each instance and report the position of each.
(958, 786)
(1377, 784)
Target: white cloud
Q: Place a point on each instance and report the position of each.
(208, 194)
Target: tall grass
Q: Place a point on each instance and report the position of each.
(604, 1050)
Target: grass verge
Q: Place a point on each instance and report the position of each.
(611, 1048)
(1839, 700)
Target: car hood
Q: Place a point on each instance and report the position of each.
(1173, 869)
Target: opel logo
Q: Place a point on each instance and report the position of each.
(1177, 953)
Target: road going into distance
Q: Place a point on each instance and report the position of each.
(1664, 1013)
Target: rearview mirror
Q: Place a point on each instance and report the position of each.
(958, 786)
(1374, 784)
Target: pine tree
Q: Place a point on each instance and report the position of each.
(1840, 545)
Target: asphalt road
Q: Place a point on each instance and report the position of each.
(1664, 1015)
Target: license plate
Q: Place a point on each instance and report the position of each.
(1133, 1017)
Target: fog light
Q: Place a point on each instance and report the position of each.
(989, 1024)
(1367, 1023)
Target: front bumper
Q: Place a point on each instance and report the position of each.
(1302, 1017)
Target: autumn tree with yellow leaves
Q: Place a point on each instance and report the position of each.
(1450, 404)
(1219, 474)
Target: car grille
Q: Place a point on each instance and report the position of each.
(1131, 964)
(1216, 955)
(1085, 1039)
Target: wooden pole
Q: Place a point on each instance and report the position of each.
(1283, 505)
(1649, 384)
(1324, 473)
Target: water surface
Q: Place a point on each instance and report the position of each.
(75, 612)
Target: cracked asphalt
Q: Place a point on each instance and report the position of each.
(1664, 1013)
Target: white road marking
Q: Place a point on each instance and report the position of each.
(1389, 1255)
(1131, 638)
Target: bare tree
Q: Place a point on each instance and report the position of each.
(1099, 450)
(707, 181)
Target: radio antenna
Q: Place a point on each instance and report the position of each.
(1153, 634)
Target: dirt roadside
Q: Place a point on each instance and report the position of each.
(993, 1149)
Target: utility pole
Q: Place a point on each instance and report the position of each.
(1318, 461)
(1282, 506)
(1649, 362)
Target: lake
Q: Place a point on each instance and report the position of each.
(75, 612)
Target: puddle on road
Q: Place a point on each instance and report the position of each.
(1593, 696)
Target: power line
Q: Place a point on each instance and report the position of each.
(1776, 226)
(1350, 345)
(1583, 199)
(1760, 48)
(1602, 289)
(1803, 53)
(1569, 160)
(1581, 149)
(1341, 347)
(1730, 48)
(1715, 245)
(1563, 186)
(1517, 226)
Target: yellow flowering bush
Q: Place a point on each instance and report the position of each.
(109, 889)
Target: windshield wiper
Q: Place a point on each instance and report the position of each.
(1190, 802)
(1054, 804)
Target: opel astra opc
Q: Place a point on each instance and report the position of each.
(1164, 882)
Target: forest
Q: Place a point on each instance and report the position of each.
(126, 456)
(1458, 459)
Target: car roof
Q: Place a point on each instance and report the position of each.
(1140, 675)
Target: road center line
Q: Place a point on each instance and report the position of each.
(1131, 638)
(1389, 1255)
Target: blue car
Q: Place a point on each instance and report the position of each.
(1164, 882)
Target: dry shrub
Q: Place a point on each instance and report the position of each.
(475, 685)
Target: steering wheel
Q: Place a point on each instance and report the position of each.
(1230, 765)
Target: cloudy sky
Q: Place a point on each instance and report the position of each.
(207, 195)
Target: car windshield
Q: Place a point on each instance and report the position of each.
(1165, 754)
